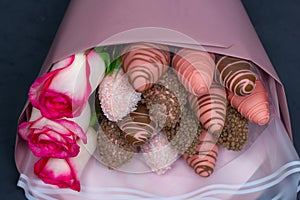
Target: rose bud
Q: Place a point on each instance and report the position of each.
(65, 173)
(55, 138)
(64, 91)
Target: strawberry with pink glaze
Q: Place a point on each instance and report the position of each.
(255, 107)
(195, 70)
(145, 63)
(210, 108)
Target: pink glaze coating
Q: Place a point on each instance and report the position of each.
(117, 96)
(195, 70)
(159, 154)
(255, 107)
(236, 75)
(204, 161)
(210, 108)
(145, 63)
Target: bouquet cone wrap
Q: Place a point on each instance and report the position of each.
(254, 173)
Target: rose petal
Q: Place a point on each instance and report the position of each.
(65, 173)
(84, 119)
(58, 172)
(97, 68)
(73, 127)
(64, 91)
(48, 143)
(54, 138)
(86, 151)
(63, 63)
(24, 130)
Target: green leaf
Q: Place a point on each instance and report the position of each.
(108, 53)
(86, 52)
(93, 119)
(99, 49)
(106, 58)
(114, 65)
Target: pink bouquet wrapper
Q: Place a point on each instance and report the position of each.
(268, 169)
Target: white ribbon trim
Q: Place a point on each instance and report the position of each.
(41, 190)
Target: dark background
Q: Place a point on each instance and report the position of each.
(27, 28)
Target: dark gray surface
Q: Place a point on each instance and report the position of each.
(28, 28)
(277, 23)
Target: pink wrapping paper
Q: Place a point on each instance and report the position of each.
(217, 26)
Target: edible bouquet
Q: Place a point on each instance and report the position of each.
(162, 106)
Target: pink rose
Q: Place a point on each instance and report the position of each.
(65, 173)
(64, 91)
(58, 172)
(54, 138)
